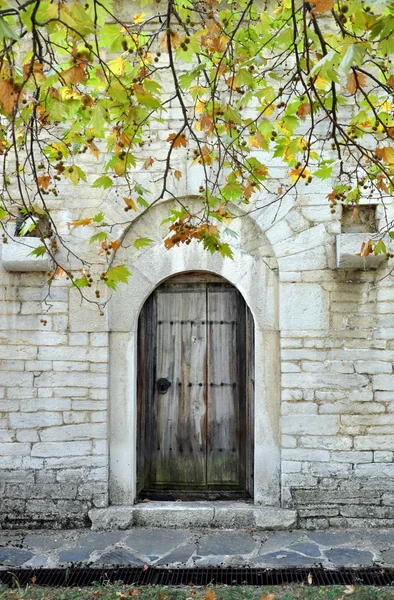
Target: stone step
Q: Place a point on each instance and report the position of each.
(199, 514)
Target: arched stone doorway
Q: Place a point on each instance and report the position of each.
(195, 391)
(253, 273)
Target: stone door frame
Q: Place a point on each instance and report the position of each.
(258, 284)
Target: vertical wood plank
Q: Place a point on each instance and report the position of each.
(181, 414)
(226, 455)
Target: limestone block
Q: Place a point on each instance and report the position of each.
(15, 255)
(274, 518)
(114, 517)
(348, 246)
(303, 306)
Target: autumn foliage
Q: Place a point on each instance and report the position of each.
(310, 84)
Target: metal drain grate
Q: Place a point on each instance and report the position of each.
(81, 577)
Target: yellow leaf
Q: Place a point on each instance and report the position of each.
(94, 149)
(300, 173)
(268, 597)
(115, 244)
(81, 222)
(200, 106)
(386, 154)
(268, 110)
(310, 579)
(130, 203)
(117, 65)
(139, 18)
(178, 175)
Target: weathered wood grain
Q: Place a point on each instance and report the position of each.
(197, 332)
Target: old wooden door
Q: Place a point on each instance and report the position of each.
(195, 391)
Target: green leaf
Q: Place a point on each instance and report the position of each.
(81, 282)
(3, 213)
(99, 217)
(6, 31)
(391, 234)
(354, 56)
(28, 225)
(104, 181)
(324, 172)
(380, 248)
(39, 251)
(116, 275)
(142, 242)
(98, 237)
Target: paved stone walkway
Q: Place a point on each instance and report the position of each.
(191, 548)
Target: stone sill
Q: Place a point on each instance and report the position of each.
(15, 255)
(348, 245)
(200, 515)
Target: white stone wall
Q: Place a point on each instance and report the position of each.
(53, 409)
(337, 354)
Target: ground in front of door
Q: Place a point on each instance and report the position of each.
(191, 548)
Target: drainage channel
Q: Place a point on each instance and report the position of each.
(80, 577)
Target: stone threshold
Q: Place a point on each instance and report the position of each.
(199, 514)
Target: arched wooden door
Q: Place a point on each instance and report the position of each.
(195, 391)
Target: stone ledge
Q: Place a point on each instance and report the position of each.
(174, 515)
(349, 246)
(15, 256)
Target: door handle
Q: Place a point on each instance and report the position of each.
(163, 385)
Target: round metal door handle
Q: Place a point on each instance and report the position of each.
(163, 385)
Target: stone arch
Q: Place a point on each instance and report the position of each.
(253, 272)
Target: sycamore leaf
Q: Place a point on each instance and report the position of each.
(39, 251)
(139, 18)
(104, 181)
(98, 237)
(76, 74)
(99, 217)
(322, 6)
(3, 213)
(8, 95)
(81, 282)
(210, 595)
(130, 203)
(142, 242)
(310, 578)
(81, 222)
(116, 275)
(59, 273)
(117, 65)
(177, 140)
(301, 173)
(177, 174)
(390, 81)
(386, 154)
(115, 244)
(353, 79)
(268, 597)
(148, 162)
(303, 110)
(380, 248)
(43, 181)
